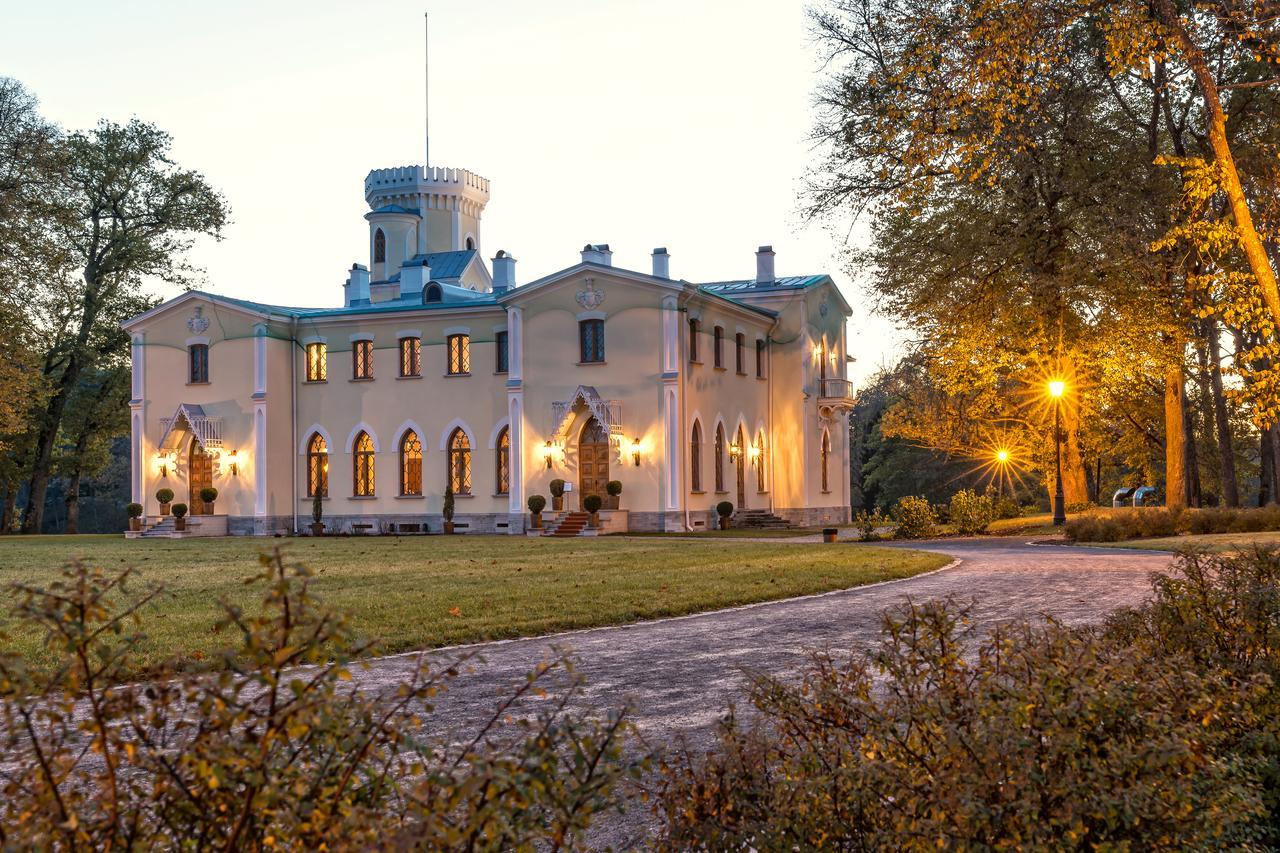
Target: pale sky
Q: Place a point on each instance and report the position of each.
(677, 123)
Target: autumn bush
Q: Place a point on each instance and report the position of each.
(279, 750)
(971, 513)
(914, 518)
(1119, 525)
(868, 523)
(1156, 731)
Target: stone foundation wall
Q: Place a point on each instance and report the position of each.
(380, 524)
(815, 516)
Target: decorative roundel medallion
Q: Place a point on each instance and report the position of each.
(197, 322)
(592, 297)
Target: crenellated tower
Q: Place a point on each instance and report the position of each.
(416, 210)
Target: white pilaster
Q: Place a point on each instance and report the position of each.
(671, 445)
(260, 421)
(515, 427)
(670, 336)
(515, 346)
(138, 419)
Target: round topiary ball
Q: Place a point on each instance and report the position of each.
(724, 509)
(592, 503)
(537, 503)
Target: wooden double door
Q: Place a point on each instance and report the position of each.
(593, 461)
(199, 476)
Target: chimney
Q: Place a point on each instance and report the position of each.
(357, 287)
(661, 263)
(414, 274)
(764, 264)
(504, 272)
(597, 253)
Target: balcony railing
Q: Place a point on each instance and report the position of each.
(835, 389)
(208, 431)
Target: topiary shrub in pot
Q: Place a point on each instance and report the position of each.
(557, 494)
(135, 516)
(179, 516)
(447, 509)
(613, 488)
(317, 514)
(537, 503)
(592, 504)
(207, 496)
(164, 497)
(724, 509)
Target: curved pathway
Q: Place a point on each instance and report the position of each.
(680, 674)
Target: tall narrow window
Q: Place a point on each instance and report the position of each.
(317, 362)
(471, 244)
(719, 460)
(362, 466)
(317, 466)
(591, 337)
(411, 356)
(500, 352)
(739, 354)
(379, 247)
(826, 455)
(693, 339)
(718, 344)
(503, 462)
(459, 355)
(198, 360)
(760, 358)
(410, 464)
(460, 463)
(695, 458)
(362, 360)
(759, 460)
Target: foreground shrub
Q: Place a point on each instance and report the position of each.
(1158, 732)
(915, 518)
(278, 750)
(1007, 507)
(971, 512)
(867, 523)
(1121, 524)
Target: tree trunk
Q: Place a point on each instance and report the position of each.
(10, 495)
(1250, 242)
(1075, 485)
(1175, 451)
(46, 436)
(1266, 471)
(1221, 422)
(73, 502)
(1192, 461)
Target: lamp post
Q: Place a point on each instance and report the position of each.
(1056, 389)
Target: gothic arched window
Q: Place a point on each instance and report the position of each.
(695, 458)
(379, 247)
(460, 462)
(826, 455)
(503, 462)
(362, 465)
(317, 466)
(410, 464)
(719, 454)
(759, 460)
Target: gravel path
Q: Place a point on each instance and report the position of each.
(679, 674)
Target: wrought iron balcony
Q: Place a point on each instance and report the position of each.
(834, 395)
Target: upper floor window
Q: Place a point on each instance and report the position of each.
(693, 339)
(500, 352)
(317, 362)
(410, 464)
(317, 466)
(591, 338)
(198, 362)
(739, 358)
(411, 356)
(379, 247)
(459, 355)
(362, 360)
(718, 343)
(759, 358)
(362, 466)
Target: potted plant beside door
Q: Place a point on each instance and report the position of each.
(135, 516)
(592, 504)
(724, 509)
(537, 503)
(447, 509)
(614, 489)
(207, 496)
(317, 514)
(164, 497)
(179, 516)
(557, 494)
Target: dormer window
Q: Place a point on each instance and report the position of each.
(471, 244)
(379, 247)
(433, 293)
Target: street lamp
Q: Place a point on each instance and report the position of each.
(1056, 389)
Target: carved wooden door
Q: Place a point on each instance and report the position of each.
(593, 460)
(199, 476)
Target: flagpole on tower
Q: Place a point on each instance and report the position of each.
(426, 89)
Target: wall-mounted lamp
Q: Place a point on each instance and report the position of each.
(234, 462)
(635, 451)
(817, 351)
(735, 450)
(162, 463)
(548, 452)
(753, 453)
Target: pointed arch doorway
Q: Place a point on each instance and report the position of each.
(199, 476)
(593, 460)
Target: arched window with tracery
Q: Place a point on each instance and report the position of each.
(460, 462)
(826, 456)
(379, 247)
(695, 458)
(410, 464)
(317, 466)
(719, 460)
(362, 466)
(503, 462)
(760, 466)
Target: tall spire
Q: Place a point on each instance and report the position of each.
(426, 90)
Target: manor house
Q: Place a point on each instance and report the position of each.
(438, 372)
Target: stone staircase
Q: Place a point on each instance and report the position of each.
(572, 524)
(759, 519)
(163, 529)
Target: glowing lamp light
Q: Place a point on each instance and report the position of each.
(548, 451)
(233, 460)
(635, 452)
(735, 450)
(162, 463)
(817, 350)
(1057, 388)
(753, 453)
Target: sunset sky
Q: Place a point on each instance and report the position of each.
(640, 124)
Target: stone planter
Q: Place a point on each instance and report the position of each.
(448, 527)
(180, 523)
(208, 508)
(317, 528)
(535, 520)
(135, 524)
(164, 509)
(724, 522)
(595, 520)
(557, 503)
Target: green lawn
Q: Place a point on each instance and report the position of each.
(1207, 542)
(402, 590)
(1041, 524)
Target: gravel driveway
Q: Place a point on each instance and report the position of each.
(679, 674)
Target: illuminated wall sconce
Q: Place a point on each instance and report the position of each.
(234, 461)
(548, 453)
(735, 450)
(753, 453)
(162, 463)
(635, 452)
(817, 351)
